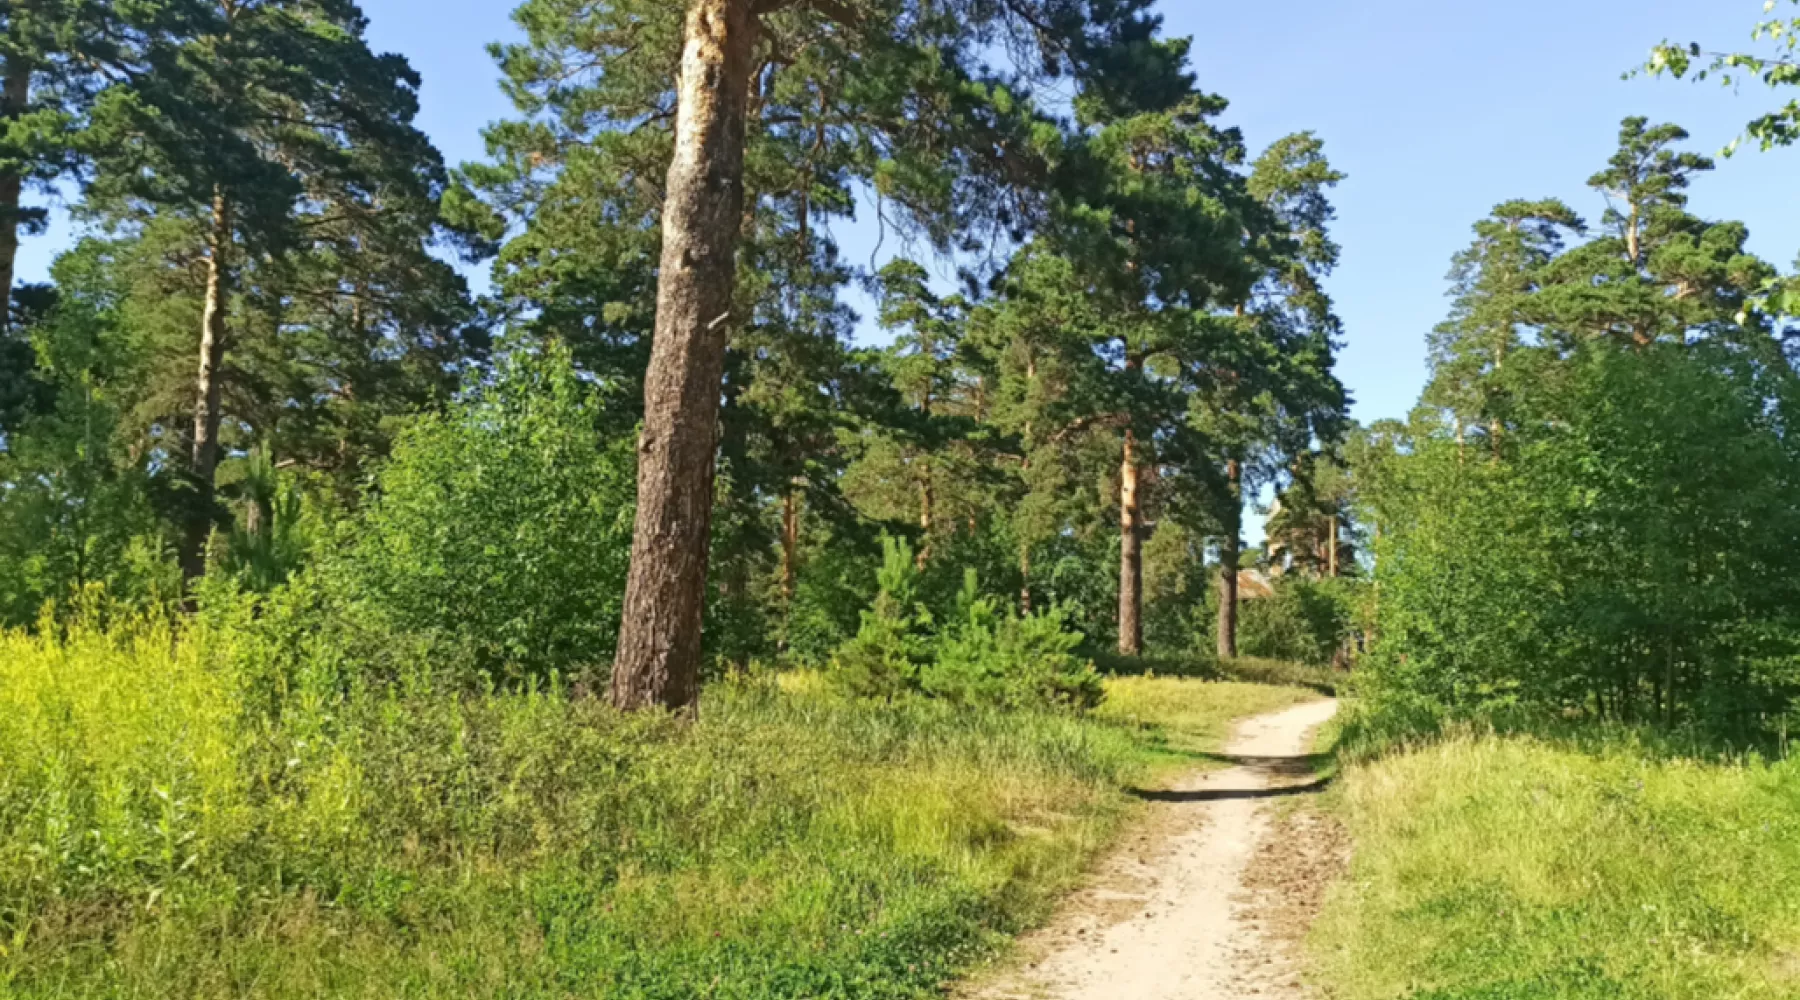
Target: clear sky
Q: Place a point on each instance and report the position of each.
(1436, 110)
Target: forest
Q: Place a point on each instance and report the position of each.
(526, 577)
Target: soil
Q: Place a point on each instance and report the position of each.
(1210, 894)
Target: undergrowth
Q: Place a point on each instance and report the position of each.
(193, 819)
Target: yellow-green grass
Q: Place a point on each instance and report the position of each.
(1507, 868)
(203, 819)
(1186, 719)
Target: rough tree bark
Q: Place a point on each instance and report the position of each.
(1025, 542)
(927, 500)
(1025, 578)
(15, 98)
(658, 662)
(1230, 549)
(1131, 554)
(1331, 553)
(204, 461)
(790, 548)
(927, 489)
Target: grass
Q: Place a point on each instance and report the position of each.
(1179, 718)
(1514, 868)
(1243, 670)
(206, 819)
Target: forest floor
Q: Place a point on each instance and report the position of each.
(1208, 897)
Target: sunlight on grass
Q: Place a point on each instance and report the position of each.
(1512, 868)
(1189, 717)
(160, 837)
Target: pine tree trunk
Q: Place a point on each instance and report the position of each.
(658, 661)
(15, 97)
(927, 489)
(1131, 554)
(790, 544)
(1025, 543)
(204, 460)
(1025, 578)
(1230, 555)
(927, 500)
(1331, 555)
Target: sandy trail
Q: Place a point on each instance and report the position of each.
(1166, 918)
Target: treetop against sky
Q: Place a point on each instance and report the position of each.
(1435, 113)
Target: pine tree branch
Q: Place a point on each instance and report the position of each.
(832, 9)
(1092, 421)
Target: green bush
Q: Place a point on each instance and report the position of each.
(1617, 565)
(502, 529)
(1304, 621)
(987, 654)
(993, 656)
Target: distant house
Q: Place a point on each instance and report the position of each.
(1254, 584)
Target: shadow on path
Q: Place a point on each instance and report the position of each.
(1232, 794)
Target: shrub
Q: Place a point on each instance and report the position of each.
(985, 655)
(502, 529)
(1304, 621)
(991, 656)
(889, 654)
(1617, 564)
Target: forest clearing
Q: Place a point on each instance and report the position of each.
(892, 499)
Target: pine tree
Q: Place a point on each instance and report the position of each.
(1050, 395)
(1267, 395)
(1493, 282)
(54, 57)
(891, 91)
(273, 131)
(1656, 273)
(1153, 219)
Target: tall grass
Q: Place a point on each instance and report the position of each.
(1521, 868)
(197, 816)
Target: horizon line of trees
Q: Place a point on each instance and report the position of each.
(1592, 512)
(262, 303)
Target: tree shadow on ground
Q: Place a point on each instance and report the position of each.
(1232, 794)
(1285, 772)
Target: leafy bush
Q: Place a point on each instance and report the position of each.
(502, 529)
(1620, 562)
(1304, 621)
(78, 504)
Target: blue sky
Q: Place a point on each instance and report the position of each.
(1437, 111)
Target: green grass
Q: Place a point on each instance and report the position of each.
(203, 819)
(1513, 868)
(1243, 670)
(1180, 718)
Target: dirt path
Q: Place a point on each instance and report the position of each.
(1170, 917)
